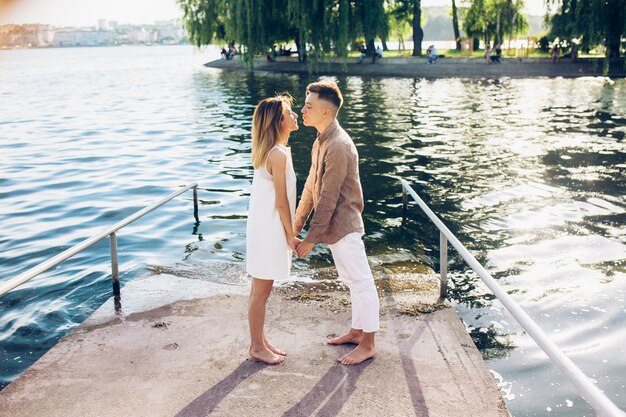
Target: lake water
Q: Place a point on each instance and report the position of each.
(529, 173)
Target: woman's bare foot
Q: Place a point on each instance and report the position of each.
(352, 337)
(273, 348)
(359, 354)
(265, 355)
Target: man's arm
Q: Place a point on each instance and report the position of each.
(335, 168)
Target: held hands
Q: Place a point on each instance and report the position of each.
(302, 248)
(293, 243)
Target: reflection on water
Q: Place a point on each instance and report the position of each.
(528, 173)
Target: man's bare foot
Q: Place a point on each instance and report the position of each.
(351, 337)
(358, 355)
(265, 355)
(273, 348)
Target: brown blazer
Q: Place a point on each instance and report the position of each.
(333, 189)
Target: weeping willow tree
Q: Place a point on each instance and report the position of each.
(409, 11)
(318, 27)
(372, 21)
(494, 19)
(593, 22)
(205, 20)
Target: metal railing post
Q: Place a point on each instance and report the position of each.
(195, 203)
(443, 265)
(405, 203)
(115, 273)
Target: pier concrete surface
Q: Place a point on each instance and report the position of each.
(178, 347)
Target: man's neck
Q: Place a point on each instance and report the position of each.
(322, 127)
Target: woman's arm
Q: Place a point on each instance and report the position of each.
(276, 165)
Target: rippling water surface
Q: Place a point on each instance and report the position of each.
(528, 172)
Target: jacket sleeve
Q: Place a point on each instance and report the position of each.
(335, 169)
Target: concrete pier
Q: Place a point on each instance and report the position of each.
(179, 347)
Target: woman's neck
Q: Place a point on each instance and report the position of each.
(283, 141)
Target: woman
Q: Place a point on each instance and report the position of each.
(270, 240)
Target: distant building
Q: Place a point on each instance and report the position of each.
(83, 37)
(136, 35)
(168, 32)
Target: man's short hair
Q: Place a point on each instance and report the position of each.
(326, 90)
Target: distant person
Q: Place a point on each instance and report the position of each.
(270, 238)
(363, 55)
(378, 53)
(574, 52)
(488, 54)
(496, 58)
(302, 57)
(224, 53)
(555, 54)
(431, 54)
(271, 56)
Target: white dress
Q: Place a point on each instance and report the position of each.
(267, 253)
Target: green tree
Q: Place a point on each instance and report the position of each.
(594, 22)
(371, 21)
(474, 22)
(455, 26)
(410, 11)
(418, 32)
(317, 26)
(204, 20)
(494, 19)
(400, 18)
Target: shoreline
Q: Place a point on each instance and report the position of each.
(417, 67)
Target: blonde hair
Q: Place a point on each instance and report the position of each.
(266, 126)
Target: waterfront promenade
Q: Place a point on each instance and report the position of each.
(444, 68)
(177, 350)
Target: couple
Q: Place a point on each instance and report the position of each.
(332, 190)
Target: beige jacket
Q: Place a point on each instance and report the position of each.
(333, 189)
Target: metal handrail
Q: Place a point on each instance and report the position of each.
(602, 405)
(11, 284)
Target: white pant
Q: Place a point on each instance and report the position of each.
(354, 271)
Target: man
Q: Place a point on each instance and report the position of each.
(378, 53)
(333, 189)
(432, 54)
(363, 55)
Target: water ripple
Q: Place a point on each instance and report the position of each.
(529, 173)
